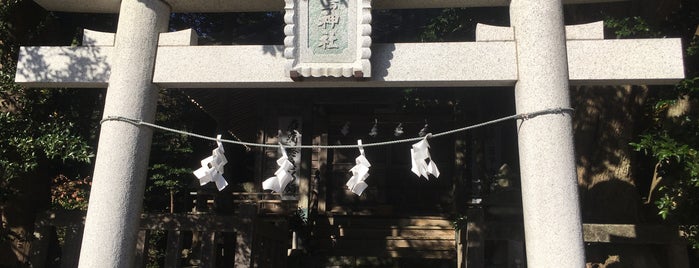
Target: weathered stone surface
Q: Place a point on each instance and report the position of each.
(121, 164)
(112, 6)
(186, 37)
(330, 39)
(486, 33)
(97, 39)
(600, 62)
(393, 65)
(86, 66)
(550, 201)
(646, 61)
(64, 66)
(588, 31)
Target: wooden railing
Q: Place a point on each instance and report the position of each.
(191, 240)
(470, 242)
(266, 203)
(248, 239)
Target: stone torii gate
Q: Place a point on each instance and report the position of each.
(533, 56)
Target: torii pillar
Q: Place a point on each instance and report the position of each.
(551, 207)
(534, 59)
(119, 178)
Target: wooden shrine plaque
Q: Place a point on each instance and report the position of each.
(327, 38)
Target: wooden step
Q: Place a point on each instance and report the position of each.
(379, 261)
(399, 253)
(414, 237)
(372, 233)
(354, 221)
(392, 243)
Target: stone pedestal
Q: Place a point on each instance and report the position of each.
(552, 222)
(119, 179)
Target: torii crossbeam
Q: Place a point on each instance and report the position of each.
(490, 61)
(112, 6)
(533, 55)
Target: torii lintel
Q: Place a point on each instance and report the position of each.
(490, 61)
(185, 6)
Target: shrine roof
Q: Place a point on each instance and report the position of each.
(185, 6)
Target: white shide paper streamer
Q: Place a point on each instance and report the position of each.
(360, 172)
(283, 175)
(212, 167)
(422, 162)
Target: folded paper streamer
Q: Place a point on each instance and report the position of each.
(374, 129)
(345, 129)
(283, 175)
(399, 130)
(423, 131)
(360, 172)
(212, 167)
(423, 165)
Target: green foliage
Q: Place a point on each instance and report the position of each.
(232, 28)
(157, 240)
(26, 140)
(446, 23)
(460, 222)
(459, 24)
(70, 194)
(635, 27)
(6, 48)
(669, 151)
(168, 177)
(46, 130)
(37, 125)
(692, 232)
(52, 129)
(672, 140)
(173, 155)
(673, 145)
(298, 220)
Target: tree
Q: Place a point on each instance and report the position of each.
(672, 140)
(44, 133)
(175, 156)
(48, 136)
